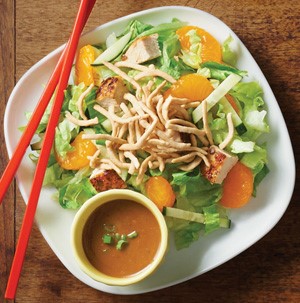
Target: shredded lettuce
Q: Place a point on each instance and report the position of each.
(212, 218)
(204, 71)
(170, 49)
(64, 133)
(164, 29)
(198, 190)
(192, 56)
(220, 71)
(73, 195)
(256, 120)
(136, 28)
(185, 236)
(74, 92)
(228, 55)
(256, 159)
(250, 95)
(74, 187)
(194, 193)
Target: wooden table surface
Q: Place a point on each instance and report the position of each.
(269, 271)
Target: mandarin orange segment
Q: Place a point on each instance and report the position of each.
(237, 186)
(83, 68)
(191, 86)
(160, 192)
(211, 49)
(77, 158)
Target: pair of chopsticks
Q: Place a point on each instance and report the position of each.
(59, 80)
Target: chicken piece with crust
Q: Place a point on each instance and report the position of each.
(220, 164)
(103, 180)
(143, 49)
(111, 91)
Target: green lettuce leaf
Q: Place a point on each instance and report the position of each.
(257, 162)
(72, 196)
(228, 55)
(256, 120)
(212, 218)
(77, 190)
(256, 159)
(73, 187)
(64, 133)
(194, 193)
(221, 71)
(204, 72)
(192, 56)
(136, 28)
(164, 30)
(184, 237)
(74, 94)
(170, 65)
(250, 96)
(196, 189)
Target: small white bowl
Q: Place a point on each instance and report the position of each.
(84, 214)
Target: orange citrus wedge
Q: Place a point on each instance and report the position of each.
(237, 186)
(77, 158)
(83, 68)
(159, 190)
(211, 49)
(191, 86)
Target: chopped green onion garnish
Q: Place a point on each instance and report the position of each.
(123, 237)
(107, 239)
(132, 235)
(112, 236)
(120, 244)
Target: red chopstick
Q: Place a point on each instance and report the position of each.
(45, 152)
(32, 125)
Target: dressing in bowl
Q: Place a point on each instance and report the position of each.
(119, 237)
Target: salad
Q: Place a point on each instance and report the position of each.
(162, 110)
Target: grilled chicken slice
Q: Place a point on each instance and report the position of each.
(111, 91)
(103, 180)
(143, 49)
(220, 164)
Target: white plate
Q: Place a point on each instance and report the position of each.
(249, 224)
